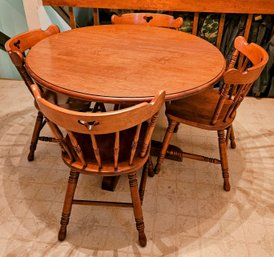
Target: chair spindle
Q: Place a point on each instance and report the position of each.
(77, 148)
(134, 144)
(96, 151)
(116, 149)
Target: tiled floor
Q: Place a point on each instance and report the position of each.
(186, 211)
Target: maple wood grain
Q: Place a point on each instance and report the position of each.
(125, 63)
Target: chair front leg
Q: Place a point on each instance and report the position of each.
(167, 138)
(232, 138)
(72, 183)
(223, 157)
(35, 135)
(137, 208)
(150, 166)
(143, 182)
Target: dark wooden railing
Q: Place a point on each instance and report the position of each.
(3, 39)
(249, 7)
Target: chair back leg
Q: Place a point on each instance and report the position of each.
(167, 138)
(232, 138)
(150, 167)
(223, 158)
(72, 183)
(35, 135)
(137, 209)
(143, 182)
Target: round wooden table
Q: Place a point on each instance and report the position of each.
(125, 63)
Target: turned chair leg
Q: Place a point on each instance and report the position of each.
(71, 186)
(176, 127)
(232, 138)
(223, 157)
(143, 181)
(167, 138)
(137, 209)
(228, 131)
(35, 135)
(149, 165)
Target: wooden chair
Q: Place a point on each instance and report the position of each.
(151, 19)
(105, 144)
(17, 48)
(216, 110)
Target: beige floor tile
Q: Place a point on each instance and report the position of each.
(188, 246)
(48, 232)
(231, 211)
(118, 239)
(205, 177)
(8, 227)
(210, 228)
(41, 249)
(212, 208)
(168, 171)
(187, 226)
(4, 243)
(113, 253)
(63, 249)
(164, 244)
(149, 204)
(165, 222)
(120, 218)
(207, 191)
(166, 204)
(187, 206)
(233, 231)
(260, 249)
(27, 230)
(76, 233)
(270, 233)
(186, 175)
(212, 248)
(235, 248)
(269, 214)
(254, 233)
(19, 248)
(166, 187)
(96, 237)
(186, 190)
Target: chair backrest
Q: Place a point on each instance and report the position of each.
(151, 19)
(18, 46)
(97, 124)
(247, 63)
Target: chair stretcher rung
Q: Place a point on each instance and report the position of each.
(201, 158)
(48, 139)
(101, 203)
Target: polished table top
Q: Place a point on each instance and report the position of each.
(117, 63)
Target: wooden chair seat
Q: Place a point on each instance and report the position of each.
(105, 144)
(187, 110)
